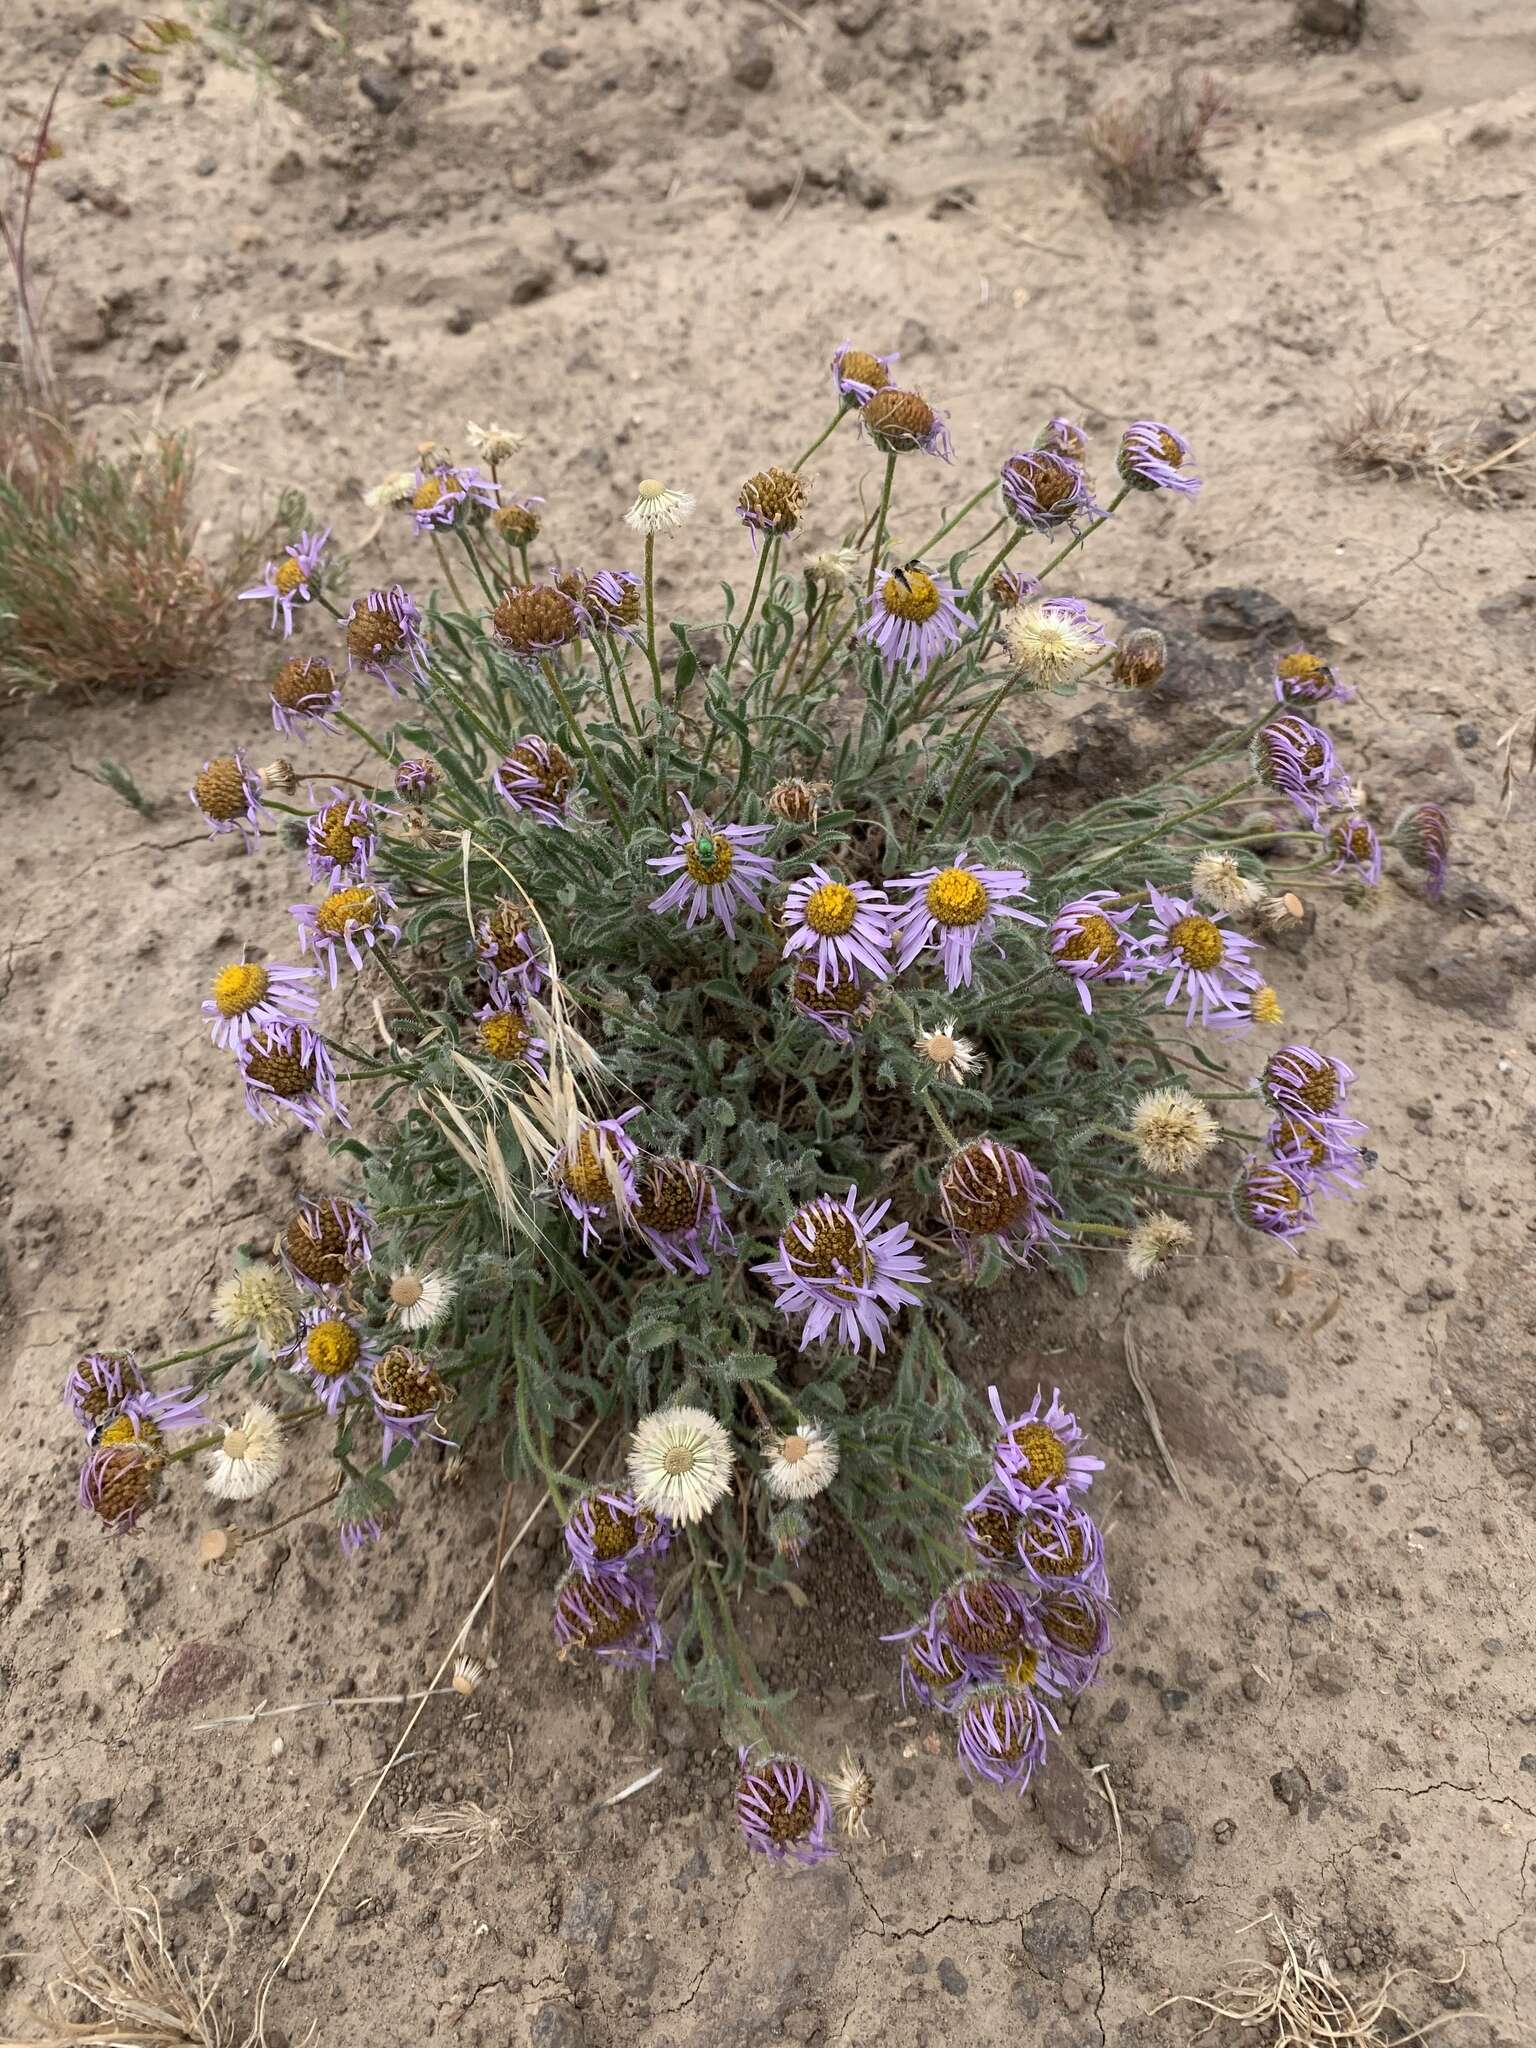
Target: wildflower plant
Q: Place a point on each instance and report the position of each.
(729, 1019)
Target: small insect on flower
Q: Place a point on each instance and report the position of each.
(250, 1458)
(335, 1355)
(407, 1395)
(677, 1214)
(1001, 1733)
(717, 871)
(1140, 659)
(840, 1009)
(1172, 1131)
(492, 444)
(658, 509)
(1296, 760)
(594, 1174)
(1152, 458)
(834, 569)
(1155, 1243)
(417, 781)
(1303, 1083)
(950, 1056)
(772, 502)
(902, 423)
(990, 1193)
(783, 1812)
(384, 637)
(1043, 488)
(288, 1066)
(858, 374)
(468, 1676)
(842, 1273)
(451, 496)
(1052, 641)
(851, 1790)
(799, 1463)
(228, 793)
(536, 777)
(609, 1528)
(1090, 939)
(1302, 678)
(1215, 878)
(287, 581)
(844, 928)
(1273, 1199)
(248, 995)
(419, 1301)
(951, 911)
(326, 1241)
(355, 918)
(340, 840)
(913, 619)
(1203, 959)
(1356, 850)
(1036, 1456)
(1423, 837)
(680, 1463)
(261, 1301)
(612, 1614)
(304, 693)
(98, 1384)
(1075, 1623)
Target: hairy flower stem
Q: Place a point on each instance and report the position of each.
(185, 1357)
(825, 435)
(1118, 853)
(488, 589)
(769, 547)
(964, 513)
(447, 568)
(402, 988)
(650, 617)
(578, 734)
(880, 519)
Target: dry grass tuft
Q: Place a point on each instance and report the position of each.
(470, 1828)
(1149, 147)
(1299, 2003)
(1388, 435)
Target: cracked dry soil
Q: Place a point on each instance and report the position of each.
(637, 231)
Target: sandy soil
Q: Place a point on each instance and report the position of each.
(636, 231)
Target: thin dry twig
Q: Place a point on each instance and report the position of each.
(629, 1791)
(1154, 1423)
(1107, 1791)
(1149, 148)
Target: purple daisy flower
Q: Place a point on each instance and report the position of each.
(384, 637)
(417, 781)
(913, 619)
(355, 917)
(326, 1241)
(1091, 940)
(1001, 1734)
(932, 1669)
(443, 494)
(341, 839)
(782, 1810)
(904, 423)
(536, 777)
(608, 1530)
(1152, 458)
(357, 1533)
(398, 1425)
(991, 1524)
(288, 1066)
(305, 693)
(594, 1173)
(1273, 1199)
(1325, 1153)
(1059, 1544)
(990, 1192)
(1356, 849)
(509, 960)
(841, 1008)
(612, 1614)
(118, 1481)
(1206, 960)
(952, 910)
(99, 1382)
(612, 601)
(335, 1355)
(677, 1214)
(1305, 1084)
(986, 1618)
(1065, 436)
(1423, 837)
(858, 374)
(1036, 1457)
(1043, 488)
(718, 869)
(1075, 1623)
(250, 995)
(842, 926)
(153, 1412)
(1303, 678)
(228, 793)
(286, 581)
(507, 1035)
(1296, 760)
(1010, 588)
(840, 1271)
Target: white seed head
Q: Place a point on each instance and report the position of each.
(679, 1463)
(954, 1057)
(836, 568)
(657, 508)
(493, 443)
(394, 490)
(1048, 644)
(1172, 1129)
(259, 1300)
(250, 1457)
(1217, 879)
(1155, 1244)
(851, 1790)
(799, 1463)
(419, 1300)
(468, 1672)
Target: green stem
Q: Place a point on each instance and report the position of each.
(964, 513)
(880, 519)
(939, 1124)
(763, 553)
(401, 986)
(447, 568)
(362, 733)
(650, 618)
(1118, 853)
(825, 435)
(184, 1357)
(578, 734)
(488, 589)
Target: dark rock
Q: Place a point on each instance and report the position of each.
(589, 259)
(953, 1981)
(1092, 27)
(1467, 737)
(865, 188)
(555, 58)
(20, 1834)
(1239, 612)
(858, 17)
(1339, 20)
(1479, 984)
(588, 1916)
(1134, 1903)
(78, 324)
(381, 93)
(530, 276)
(1528, 1762)
(1058, 1935)
(1022, 1998)
(288, 169)
(1171, 1847)
(92, 1816)
(1224, 1831)
(752, 64)
(1257, 1374)
(770, 186)
(460, 320)
(1074, 1813)
(992, 1823)
(557, 2026)
(197, 1673)
(1292, 1787)
(194, 1890)
(205, 166)
(1253, 1687)
(1330, 1674)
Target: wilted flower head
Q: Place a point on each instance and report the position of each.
(260, 1300)
(228, 793)
(1090, 939)
(835, 568)
(1204, 959)
(1155, 1244)
(986, 1616)
(1273, 1199)
(287, 581)
(536, 777)
(304, 692)
(799, 1463)
(249, 1459)
(1216, 878)
(782, 1811)
(841, 1008)
(1356, 849)
(612, 1614)
(537, 618)
(419, 1301)
(902, 423)
(1059, 1544)
(1075, 1623)
(843, 927)
(354, 919)
(1303, 1083)
(657, 509)
(1052, 641)
(1152, 458)
(613, 600)
(594, 1174)
(992, 1193)
(951, 911)
(609, 1528)
(851, 1790)
(99, 1382)
(393, 490)
(1281, 913)
(912, 619)
(992, 1525)
(407, 1395)
(1173, 1130)
(384, 636)
(356, 1533)
(326, 1241)
(468, 1676)
(772, 501)
(118, 1482)
(417, 781)
(516, 520)
(858, 374)
(248, 995)
(1065, 436)
(1325, 1154)
(679, 1463)
(288, 1066)
(1423, 837)
(1036, 1456)
(1011, 587)
(1296, 760)
(1001, 1732)
(340, 839)
(932, 1669)
(677, 1213)
(797, 802)
(451, 495)
(1140, 659)
(840, 1272)
(1302, 678)
(1043, 488)
(717, 870)
(492, 444)
(504, 945)
(947, 1052)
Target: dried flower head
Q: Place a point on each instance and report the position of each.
(851, 1790)
(799, 1463)
(913, 618)
(468, 1676)
(260, 1300)
(228, 793)
(835, 568)
(419, 1301)
(1152, 458)
(1043, 488)
(858, 374)
(492, 444)
(384, 637)
(797, 802)
(408, 1393)
(783, 1812)
(772, 501)
(1172, 1131)
(326, 1241)
(902, 423)
(612, 1614)
(118, 1482)
(536, 777)
(537, 618)
(1216, 878)
(1155, 1244)
(991, 1193)
(250, 1459)
(658, 509)
(680, 1462)
(677, 1214)
(1423, 837)
(1281, 913)
(517, 522)
(1052, 641)
(394, 490)
(304, 693)
(1140, 659)
(417, 781)
(1011, 587)
(946, 1052)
